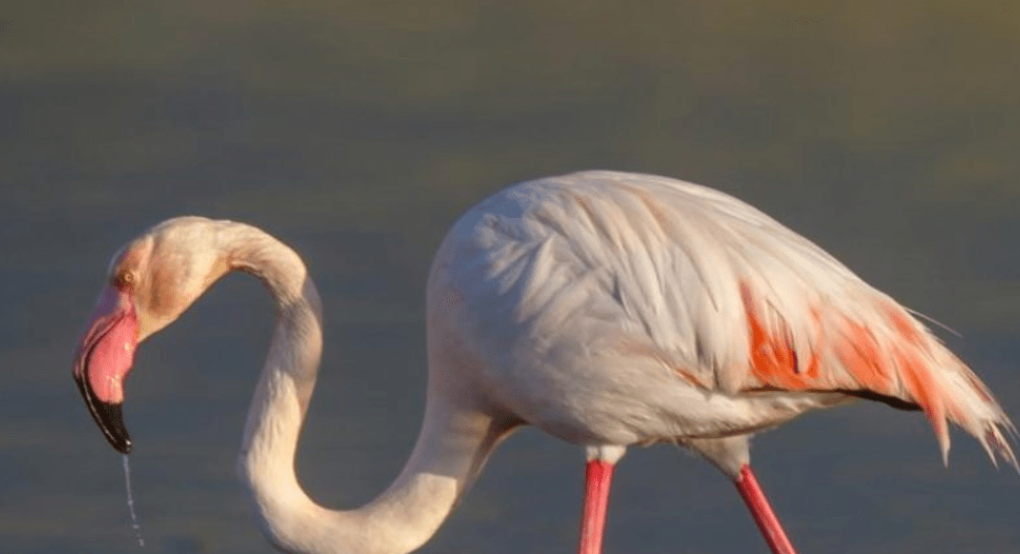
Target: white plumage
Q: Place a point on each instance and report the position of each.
(609, 309)
(625, 282)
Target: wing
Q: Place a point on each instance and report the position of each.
(718, 292)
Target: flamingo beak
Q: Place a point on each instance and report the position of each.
(103, 361)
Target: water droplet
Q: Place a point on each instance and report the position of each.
(131, 504)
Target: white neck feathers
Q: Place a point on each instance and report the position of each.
(450, 451)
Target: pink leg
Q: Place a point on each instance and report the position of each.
(762, 512)
(597, 478)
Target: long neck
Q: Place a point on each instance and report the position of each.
(450, 451)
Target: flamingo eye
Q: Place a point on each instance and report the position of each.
(123, 279)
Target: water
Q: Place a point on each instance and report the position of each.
(135, 524)
(357, 132)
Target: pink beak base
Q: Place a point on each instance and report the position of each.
(104, 359)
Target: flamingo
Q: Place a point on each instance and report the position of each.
(608, 309)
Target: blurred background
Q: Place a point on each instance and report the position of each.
(357, 131)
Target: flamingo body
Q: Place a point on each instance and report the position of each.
(608, 309)
(614, 308)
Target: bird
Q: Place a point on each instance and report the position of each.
(608, 309)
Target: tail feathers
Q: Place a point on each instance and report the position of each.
(969, 404)
(946, 389)
(911, 363)
(995, 444)
(871, 343)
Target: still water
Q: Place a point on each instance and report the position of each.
(357, 131)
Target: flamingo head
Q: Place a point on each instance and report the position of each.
(151, 281)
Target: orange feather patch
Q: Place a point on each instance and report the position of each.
(773, 359)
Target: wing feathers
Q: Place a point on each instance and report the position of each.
(878, 348)
(717, 291)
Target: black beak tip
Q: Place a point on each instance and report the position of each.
(109, 417)
(111, 420)
(121, 443)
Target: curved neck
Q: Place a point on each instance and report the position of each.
(449, 453)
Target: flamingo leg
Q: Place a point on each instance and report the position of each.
(762, 512)
(598, 476)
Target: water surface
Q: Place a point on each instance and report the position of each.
(357, 131)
